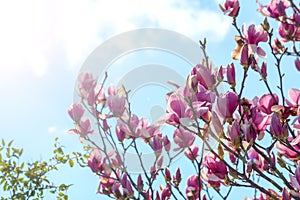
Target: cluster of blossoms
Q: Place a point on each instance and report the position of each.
(257, 136)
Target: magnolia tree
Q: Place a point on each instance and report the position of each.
(228, 139)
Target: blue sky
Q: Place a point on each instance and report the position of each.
(44, 43)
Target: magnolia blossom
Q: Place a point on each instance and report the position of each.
(234, 133)
(231, 74)
(193, 187)
(126, 185)
(249, 46)
(275, 9)
(76, 111)
(124, 131)
(177, 177)
(183, 138)
(116, 104)
(166, 193)
(108, 186)
(266, 102)
(167, 176)
(277, 128)
(285, 194)
(86, 87)
(204, 76)
(166, 143)
(140, 183)
(295, 180)
(83, 127)
(289, 153)
(157, 144)
(95, 160)
(215, 165)
(294, 95)
(216, 170)
(256, 159)
(230, 7)
(226, 104)
(253, 36)
(177, 109)
(289, 30)
(192, 152)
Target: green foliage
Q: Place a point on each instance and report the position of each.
(29, 180)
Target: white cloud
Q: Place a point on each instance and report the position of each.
(52, 129)
(85, 24)
(33, 30)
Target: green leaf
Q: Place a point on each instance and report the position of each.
(71, 163)
(10, 143)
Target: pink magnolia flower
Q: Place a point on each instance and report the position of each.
(234, 133)
(95, 160)
(231, 74)
(289, 31)
(159, 162)
(116, 101)
(215, 167)
(226, 104)
(243, 55)
(266, 102)
(294, 95)
(295, 180)
(285, 194)
(192, 152)
(216, 123)
(204, 97)
(258, 160)
(140, 183)
(291, 154)
(260, 121)
(167, 176)
(124, 131)
(276, 128)
(183, 138)
(76, 111)
(166, 143)
(156, 144)
(107, 184)
(230, 7)
(204, 76)
(263, 70)
(193, 187)
(166, 193)
(220, 74)
(177, 108)
(253, 36)
(254, 159)
(83, 128)
(275, 9)
(126, 185)
(116, 104)
(177, 177)
(86, 87)
(111, 90)
(250, 131)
